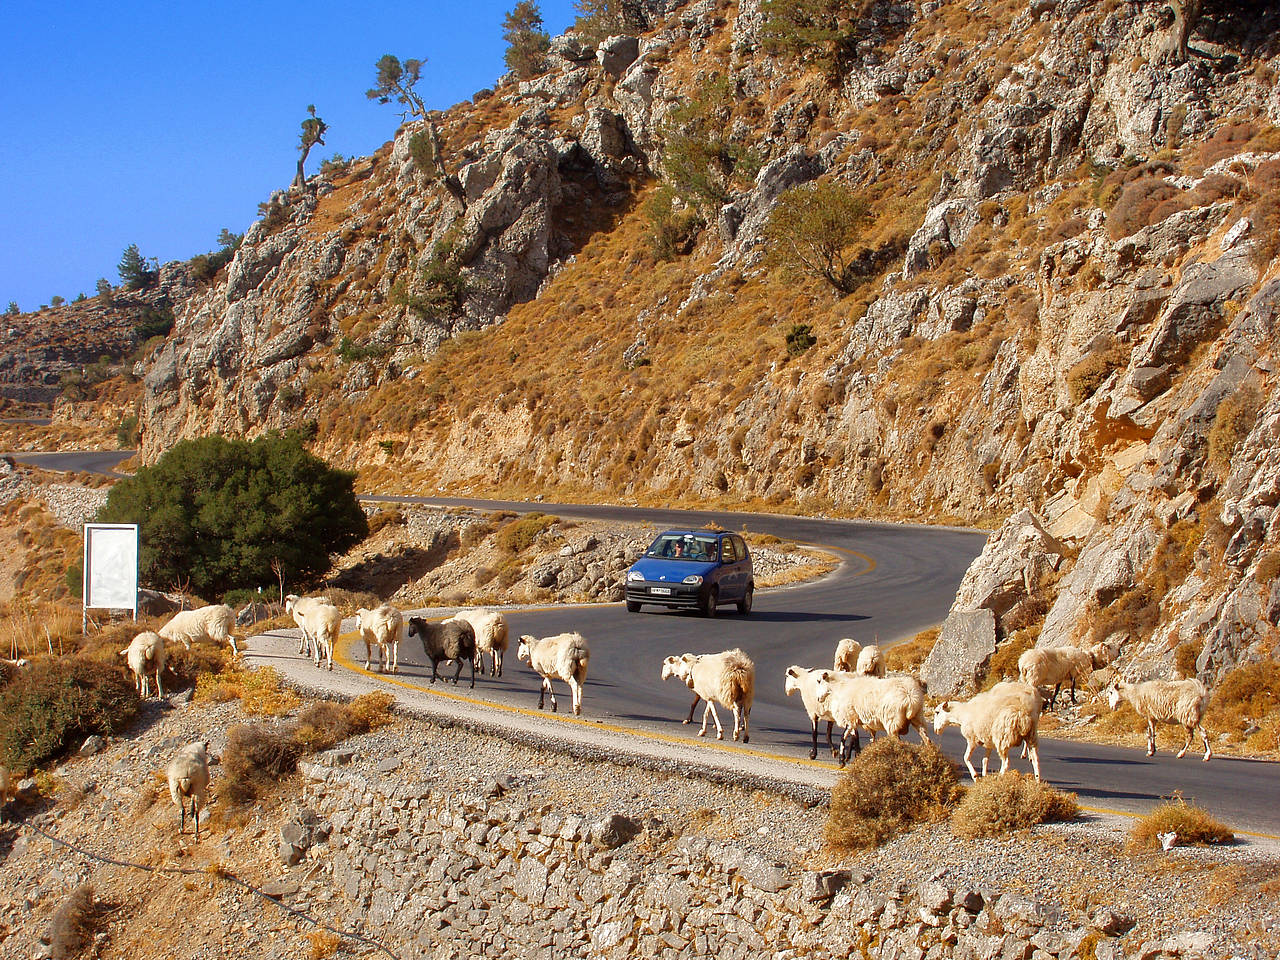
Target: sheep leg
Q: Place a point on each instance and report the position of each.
(435, 672)
(1034, 750)
(195, 818)
(551, 690)
(235, 651)
(1208, 750)
(159, 684)
(968, 752)
(830, 726)
(1073, 690)
(737, 720)
(813, 722)
(182, 816)
(693, 706)
(576, 688)
(1004, 761)
(1151, 738)
(711, 711)
(497, 662)
(457, 673)
(919, 724)
(395, 656)
(368, 654)
(542, 693)
(746, 724)
(473, 673)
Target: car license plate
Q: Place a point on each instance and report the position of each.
(660, 591)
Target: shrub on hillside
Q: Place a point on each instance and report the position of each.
(52, 705)
(259, 755)
(1193, 825)
(216, 512)
(821, 32)
(518, 535)
(1234, 418)
(889, 788)
(72, 925)
(909, 655)
(1087, 375)
(1142, 203)
(1002, 803)
(812, 232)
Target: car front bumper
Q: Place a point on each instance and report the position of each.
(676, 595)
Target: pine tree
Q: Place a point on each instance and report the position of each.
(395, 81)
(527, 42)
(134, 271)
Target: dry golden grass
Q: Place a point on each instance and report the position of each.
(909, 655)
(1002, 803)
(1193, 825)
(887, 789)
(259, 691)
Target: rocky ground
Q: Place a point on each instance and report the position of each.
(1044, 892)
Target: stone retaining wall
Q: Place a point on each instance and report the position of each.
(436, 875)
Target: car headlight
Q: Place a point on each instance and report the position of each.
(635, 575)
(693, 580)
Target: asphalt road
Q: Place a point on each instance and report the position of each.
(75, 461)
(894, 581)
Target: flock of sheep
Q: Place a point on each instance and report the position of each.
(856, 693)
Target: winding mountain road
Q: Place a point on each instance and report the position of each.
(894, 581)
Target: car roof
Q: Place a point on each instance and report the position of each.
(695, 533)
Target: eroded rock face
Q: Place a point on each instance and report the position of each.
(960, 656)
(1080, 380)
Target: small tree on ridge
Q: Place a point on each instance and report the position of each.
(527, 42)
(313, 131)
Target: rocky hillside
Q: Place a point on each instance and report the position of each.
(1061, 299)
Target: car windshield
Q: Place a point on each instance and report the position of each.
(684, 546)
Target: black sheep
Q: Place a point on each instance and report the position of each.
(447, 640)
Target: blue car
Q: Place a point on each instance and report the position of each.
(693, 569)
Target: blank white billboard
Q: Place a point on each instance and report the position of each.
(111, 566)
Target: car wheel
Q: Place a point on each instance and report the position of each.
(633, 606)
(744, 605)
(709, 601)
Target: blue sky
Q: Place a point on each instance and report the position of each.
(160, 123)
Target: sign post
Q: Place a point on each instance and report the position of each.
(110, 568)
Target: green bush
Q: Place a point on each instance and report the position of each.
(889, 788)
(153, 321)
(812, 232)
(351, 352)
(701, 162)
(51, 706)
(671, 232)
(821, 32)
(799, 339)
(215, 512)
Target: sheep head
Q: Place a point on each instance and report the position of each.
(1113, 695)
(525, 650)
(793, 680)
(942, 716)
(822, 685)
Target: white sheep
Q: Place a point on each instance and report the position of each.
(889, 704)
(188, 774)
(491, 637)
(846, 659)
(997, 719)
(870, 661)
(145, 654)
(727, 678)
(1180, 702)
(1054, 666)
(563, 656)
(804, 681)
(215, 622)
(381, 627)
(320, 623)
